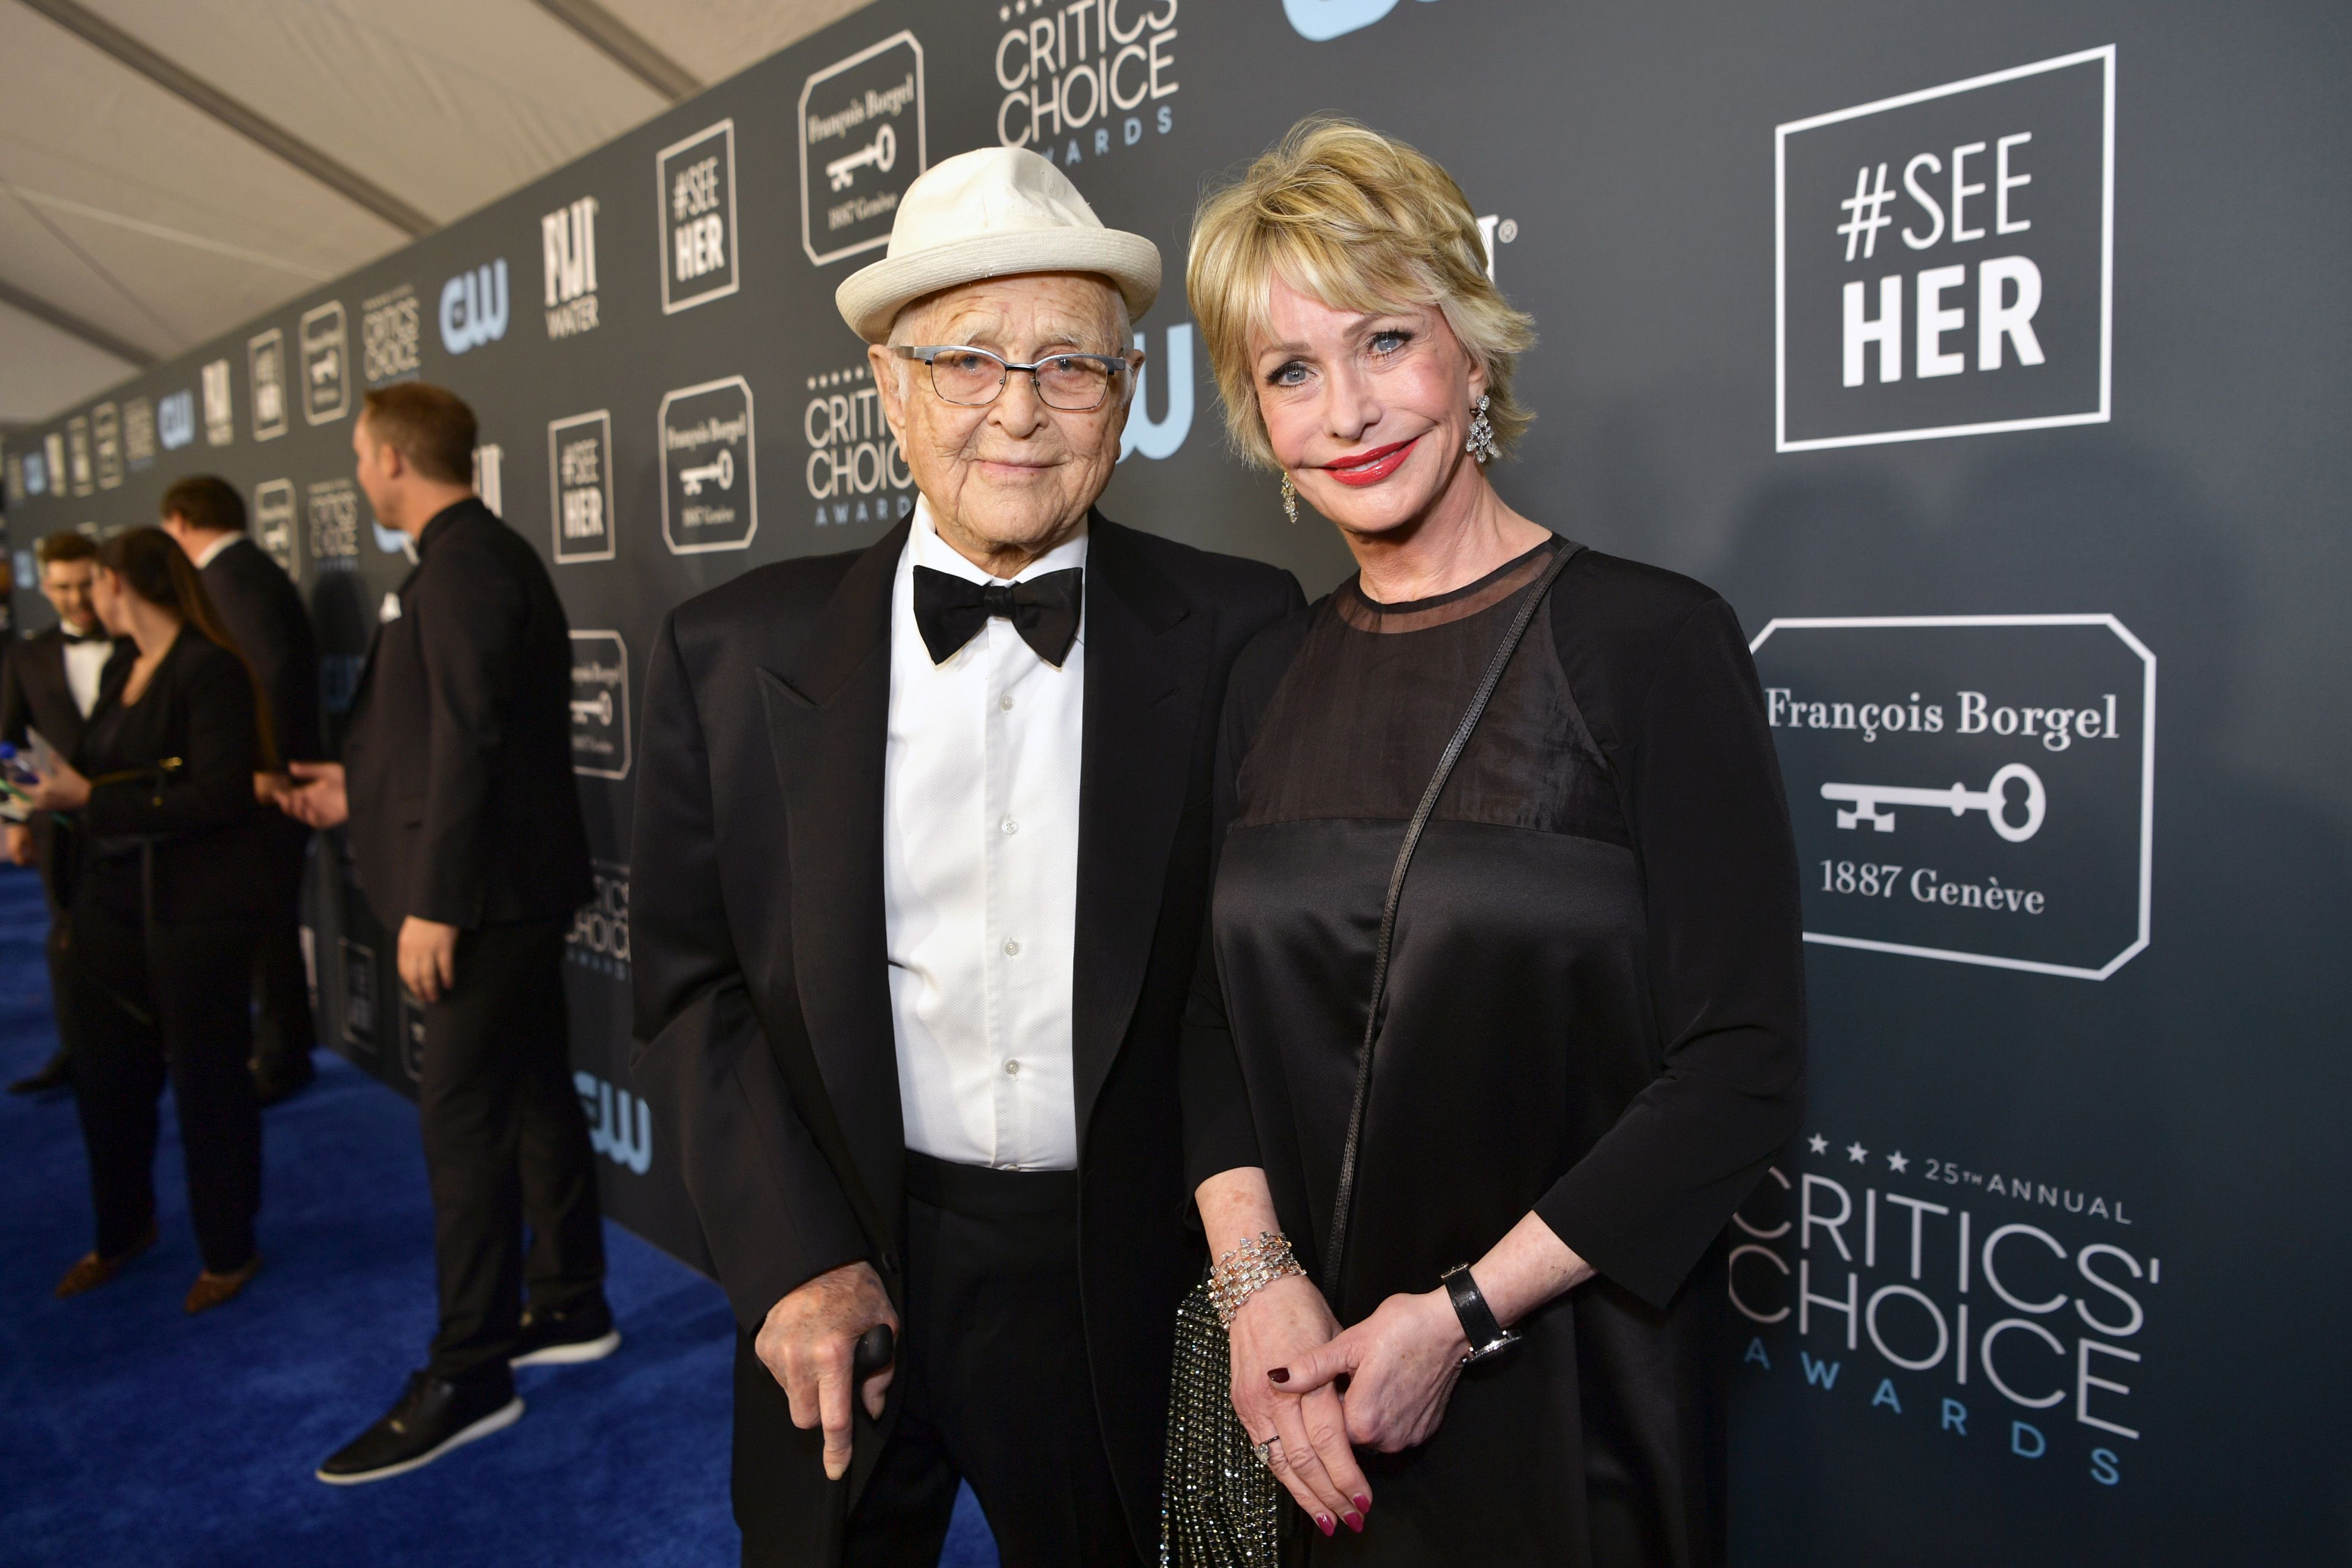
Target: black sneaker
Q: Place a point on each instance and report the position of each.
(566, 1339)
(433, 1416)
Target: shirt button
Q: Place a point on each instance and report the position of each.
(1005, 701)
(1012, 1070)
(1008, 827)
(1012, 948)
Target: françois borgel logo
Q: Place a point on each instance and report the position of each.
(710, 501)
(474, 307)
(390, 329)
(106, 444)
(1971, 787)
(334, 526)
(696, 179)
(273, 521)
(579, 471)
(567, 241)
(78, 453)
(1946, 259)
(862, 144)
(220, 414)
(325, 335)
(600, 705)
(264, 356)
(1081, 88)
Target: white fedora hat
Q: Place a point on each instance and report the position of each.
(991, 214)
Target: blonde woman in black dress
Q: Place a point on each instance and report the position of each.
(1592, 1039)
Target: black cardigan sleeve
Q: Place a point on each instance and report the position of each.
(210, 720)
(1666, 684)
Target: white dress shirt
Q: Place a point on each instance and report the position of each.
(980, 878)
(84, 663)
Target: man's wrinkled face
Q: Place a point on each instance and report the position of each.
(1011, 479)
(66, 585)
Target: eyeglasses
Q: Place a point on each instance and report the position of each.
(971, 378)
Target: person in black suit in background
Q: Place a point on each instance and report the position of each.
(466, 830)
(263, 611)
(163, 911)
(49, 685)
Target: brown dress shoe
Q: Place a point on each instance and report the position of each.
(94, 1270)
(211, 1290)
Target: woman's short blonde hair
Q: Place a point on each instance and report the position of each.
(1361, 222)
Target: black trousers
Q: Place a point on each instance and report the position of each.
(993, 1388)
(505, 1144)
(283, 1033)
(136, 1006)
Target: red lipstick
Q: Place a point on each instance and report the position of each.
(1369, 467)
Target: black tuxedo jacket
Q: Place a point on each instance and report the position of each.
(34, 695)
(758, 941)
(263, 611)
(458, 757)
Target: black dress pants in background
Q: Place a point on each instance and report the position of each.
(135, 1006)
(993, 1388)
(505, 1142)
(283, 1034)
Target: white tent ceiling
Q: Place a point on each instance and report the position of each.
(170, 168)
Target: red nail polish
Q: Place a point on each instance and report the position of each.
(1354, 1522)
(1361, 1501)
(1323, 1522)
(1279, 1375)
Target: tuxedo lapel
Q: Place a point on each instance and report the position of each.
(828, 719)
(1144, 670)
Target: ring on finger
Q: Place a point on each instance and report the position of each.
(1265, 1451)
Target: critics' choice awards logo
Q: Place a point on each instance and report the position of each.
(106, 444)
(220, 414)
(1975, 788)
(77, 454)
(580, 472)
(862, 144)
(138, 434)
(710, 497)
(265, 357)
(390, 332)
(175, 420)
(334, 532)
(599, 938)
(600, 705)
(696, 179)
(360, 997)
(1080, 81)
(1946, 259)
(567, 243)
(273, 522)
(474, 307)
(855, 471)
(324, 335)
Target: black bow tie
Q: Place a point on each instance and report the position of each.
(73, 636)
(950, 610)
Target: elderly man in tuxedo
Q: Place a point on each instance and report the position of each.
(49, 686)
(923, 858)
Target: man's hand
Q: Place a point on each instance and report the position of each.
(269, 787)
(20, 844)
(808, 1343)
(316, 797)
(428, 957)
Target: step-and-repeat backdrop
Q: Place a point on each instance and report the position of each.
(1992, 359)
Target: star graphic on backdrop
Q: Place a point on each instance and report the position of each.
(1817, 1144)
(1856, 1152)
(1896, 1162)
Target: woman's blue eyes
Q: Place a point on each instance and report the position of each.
(1379, 345)
(1390, 342)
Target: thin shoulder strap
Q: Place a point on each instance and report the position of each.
(1334, 1253)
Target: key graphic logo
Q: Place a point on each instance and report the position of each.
(600, 705)
(696, 182)
(77, 454)
(862, 144)
(1974, 788)
(264, 356)
(1946, 259)
(106, 444)
(711, 498)
(567, 239)
(273, 522)
(326, 363)
(580, 470)
(474, 307)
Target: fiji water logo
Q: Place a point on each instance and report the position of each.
(1318, 21)
(474, 307)
(610, 1127)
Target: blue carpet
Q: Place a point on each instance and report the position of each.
(132, 1433)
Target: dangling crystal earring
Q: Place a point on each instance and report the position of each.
(1481, 443)
(1289, 498)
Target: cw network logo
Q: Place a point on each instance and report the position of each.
(474, 307)
(1159, 438)
(609, 1129)
(1318, 21)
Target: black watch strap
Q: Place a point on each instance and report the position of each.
(1479, 1325)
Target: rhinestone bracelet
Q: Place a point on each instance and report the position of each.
(1250, 1268)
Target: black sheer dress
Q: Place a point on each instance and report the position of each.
(1595, 1011)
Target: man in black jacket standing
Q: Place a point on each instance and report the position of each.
(50, 686)
(465, 830)
(263, 611)
(931, 823)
